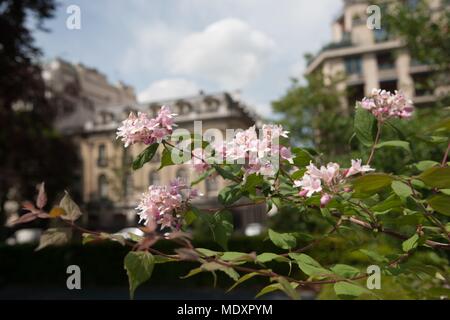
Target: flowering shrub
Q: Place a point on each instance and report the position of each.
(413, 209)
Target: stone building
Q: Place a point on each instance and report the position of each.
(372, 58)
(90, 111)
(111, 189)
(79, 91)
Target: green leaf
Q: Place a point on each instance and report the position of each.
(193, 272)
(163, 259)
(283, 240)
(221, 226)
(267, 289)
(139, 266)
(207, 252)
(268, 256)
(71, 210)
(230, 194)
(213, 266)
(166, 159)
(202, 177)
(345, 271)
(364, 125)
(374, 255)
(394, 143)
(436, 177)
(440, 203)
(308, 265)
(145, 156)
(297, 175)
(288, 288)
(411, 243)
(236, 256)
(273, 287)
(347, 290)
(190, 216)
(88, 237)
(426, 164)
(243, 279)
(54, 237)
(401, 189)
(226, 174)
(390, 203)
(251, 182)
(302, 157)
(370, 184)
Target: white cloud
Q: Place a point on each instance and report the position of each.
(168, 89)
(228, 52)
(150, 46)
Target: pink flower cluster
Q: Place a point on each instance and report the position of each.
(141, 128)
(160, 204)
(383, 105)
(257, 154)
(327, 179)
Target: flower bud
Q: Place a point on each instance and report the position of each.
(303, 193)
(326, 198)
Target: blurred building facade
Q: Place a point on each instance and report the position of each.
(372, 58)
(92, 110)
(79, 90)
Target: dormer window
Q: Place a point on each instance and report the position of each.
(182, 107)
(212, 104)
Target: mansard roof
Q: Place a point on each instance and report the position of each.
(203, 106)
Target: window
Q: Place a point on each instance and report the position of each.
(385, 61)
(422, 84)
(211, 184)
(103, 186)
(390, 85)
(380, 35)
(128, 185)
(412, 4)
(102, 161)
(183, 175)
(153, 178)
(353, 65)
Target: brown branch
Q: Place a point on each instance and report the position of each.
(392, 233)
(377, 139)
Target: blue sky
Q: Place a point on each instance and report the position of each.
(176, 47)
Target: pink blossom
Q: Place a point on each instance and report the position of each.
(328, 179)
(286, 154)
(324, 200)
(259, 155)
(326, 174)
(199, 160)
(357, 168)
(41, 200)
(160, 202)
(141, 128)
(166, 221)
(310, 184)
(384, 105)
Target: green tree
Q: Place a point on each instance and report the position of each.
(314, 114)
(31, 150)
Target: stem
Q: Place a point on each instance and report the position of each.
(377, 139)
(392, 233)
(316, 241)
(428, 215)
(444, 160)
